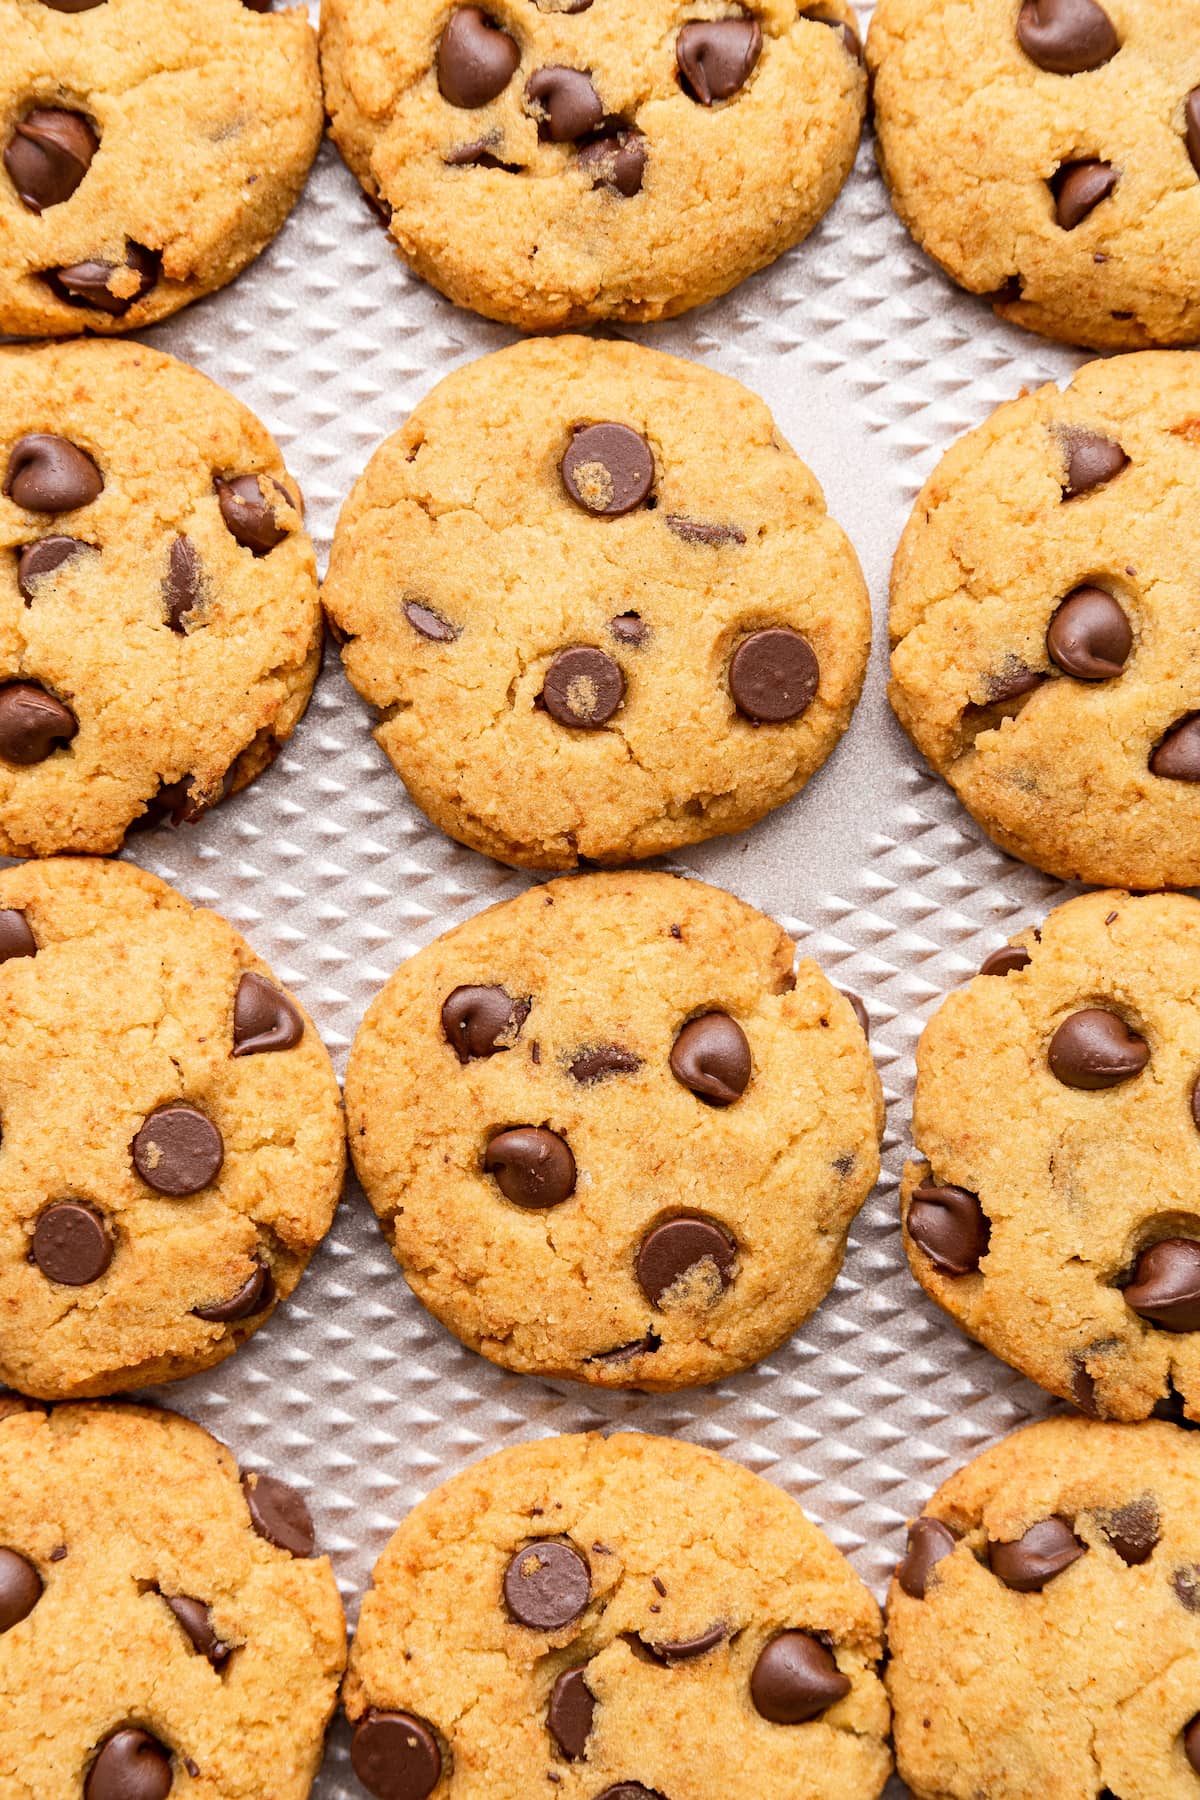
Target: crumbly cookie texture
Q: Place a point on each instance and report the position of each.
(551, 164)
(609, 1136)
(1047, 154)
(568, 502)
(154, 1635)
(1044, 1626)
(1057, 1114)
(1042, 618)
(646, 1603)
(150, 152)
(173, 1146)
(160, 626)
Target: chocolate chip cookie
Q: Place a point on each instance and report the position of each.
(1047, 154)
(548, 163)
(160, 629)
(1044, 1625)
(1043, 604)
(598, 604)
(629, 1617)
(164, 1628)
(610, 1135)
(172, 1134)
(150, 152)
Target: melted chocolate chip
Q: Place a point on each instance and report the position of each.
(1032, 1560)
(131, 1765)
(711, 1057)
(49, 474)
(608, 469)
(1177, 757)
(583, 687)
(547, 1585)
(72, 1244)
(601, 1061)
(90, 283)
(16, 939)
(1095, 1049)
(181, 591)
(20, 1589)
(1191, 115)
(564, 102)
(429, 624)
(1065, 37)
(716, 57)
(33, 724)
(1091, 460)
(773, 676)
(949, 1225)
(48, 156)
(279, 1514)
(196, 1621)
(42, 558)
(571, 1711)
(263, 1017)
(249, 514)
(178, 1151)
(1012, 682)
(396, 1756)
(825, 15)
(1133, 1530)
(643, 1346)
(629, 628)
(683, 1650)
(255, 1295)
(480, 1021)
(1089, 635)
(1079, 187)
(630, 1790)
(679, 1246)
(532, 1166)
(796, 1679)
(1165, 1290)
(928, 1542)
(475, 59)
(1005, 961)
(616, 160)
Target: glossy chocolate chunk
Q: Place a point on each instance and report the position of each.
(608, 469)
(547, 1585)
(196, 1622)
(90, 283)
(249, 514)
(796, 1679)
(1177, 757)
(1005, 961)
(33, 724)
(131, 1765)
(532, 1166)
(49, 154)
(1091, 460)
(181, 591)
(1191, 1742)
(1089, 636)
(711, 1057)
(1065, 37)
(396, 1756)
(681, 1650)
(672, 1250)
(773, 676)
(583, 687)
(178, 1150)
(479, 1021)
(1034, 1559)
(16, 938)
(949, 1226)
(42, 558)
(475, 59)
(616, 160)
(72, 1244)
(716, 57)
(49, 474)
(20, 1588)
(928, 1542)
(1079, 187)
(429, 624)
(825, 15)
(1095, 1049)
(263, 1017)
(254, 1295)
(1165, 1289)
(564, 102)
(1191, 119)
(279, 1514)
(571, 1711)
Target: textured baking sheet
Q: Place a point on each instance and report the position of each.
(872, 365)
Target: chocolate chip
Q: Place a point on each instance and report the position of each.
(279, 1514)
(49, 154)
(1043, 1552)
(928, 1542)
(49, 474)
(679, 1246)
(601, 1061)
(178, 1150)
(547, 1585)
(479, 1021)
(1191, 113)
(1089, 635)
(825, 15)
(33, 724)
(20, 1589)
(1065, 37)
(428, 623)
(395, 1755)
(1096, 1049)
(1079, 187)
(249, 514)
(72, 1244)
(1083, 1387)
(263, 1017)
(608, 469)
(131, 1765)
(1177, 757)
(1186, 1583)
(533, 1167)
(255, 1294)
(1191, 1742)
(1091, 460)
(860, 1011)
(173, 805)
(616, 160)
(475, 59)
(16, 939)
(1012, 682)
(629, 628)
(1133, 1530)
(1005, 961)
(564, 102)
(42, 558)
(683, 1650)
(630, 1790)
(572, 1709)
(1165, 1289)
(481, 154)
(72, 6)
(711, 1057)
(949, 1226)
(196, 1620)
(1195, 1097)
(773, 676)
(643, 1346)
(90, 283)
(181, 585)
(697, 531)
(717, 56)
(796, 1679)
(583, 687)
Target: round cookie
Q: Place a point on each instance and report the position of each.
(598, 604)
(164, 1627)
(1044, 1625)
(150, 152)
(610, 1136)
(172, 1137)
(627, 1616)
(160, 627)
(1047, 155)
(1042, 615)
(547, 163)
(1057, 1112)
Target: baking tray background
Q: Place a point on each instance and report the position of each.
(873, 364)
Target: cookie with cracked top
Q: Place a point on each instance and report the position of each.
(628, 1617)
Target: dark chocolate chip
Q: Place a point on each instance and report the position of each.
(173, 805)
(629, 628)
(16, 939)
(583, 687)
(1195, 1099)
(255, 1294)
(196, 1620)
(1065, 37)
(825, 15)
(601, 1061)
(698, 531)
(131, 1765)
(928, 1542)
(608, 469)
(72, 6)
(1177, 757)
(630, 1790)
(395, 1755)
(683, 1650)
(1133, 1530)
(1089, 635)
(677, 1247)
(572, 1709)
(716, 57)
(33, 724)
(711, 1057)
(1191, 1742)
(20, 1588)
(249, 514)
(72, 1244)
(475, 59)
(42, 558)
(860, 1010)
(1005, 961)
(547, 1585)
(1191, 113)
(533, 1167)
(429, 624)
(279, 1514)
(49, 154)
(773, 676)
(49, 474)
(1079, 187)
(1043, 1552)
(1091, 460)
(1012, 682)
(479, 1021)
(949, 1226)
(178, 1150)
(1083, 1387)
(796, 1679)
(1186, 1583)
(181, 590)
(564, 102)
(1165, 1289)
(616, 160)
(264, 1018)
(90, 283)
(1096, 1049)
(643, 1346)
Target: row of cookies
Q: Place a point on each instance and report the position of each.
(537, 159)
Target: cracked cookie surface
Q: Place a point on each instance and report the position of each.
(599, 604)
(1044, 1626)
(150, 153)
(154, 1637)
(548, 164)
(608, 1137)
(1042, 620)
(160, 627)
(628, 1615)
(1047, 155)
(172, 1135)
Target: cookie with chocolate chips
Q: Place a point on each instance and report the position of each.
(630, 1617)
(1047, 154)
(548, 164)
(1044, 1622)
(160, 630)
(157, 1635)
(598, 604)
(1053, 1212)
(149, 153)
(609, 1133)
(172, 1133)
(1042, 618)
